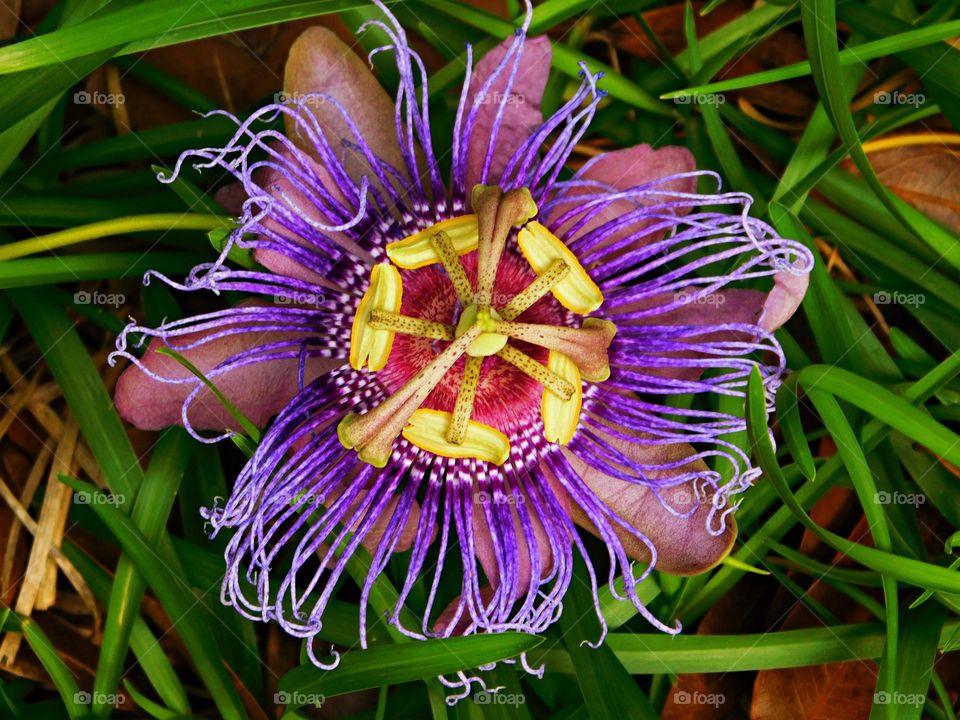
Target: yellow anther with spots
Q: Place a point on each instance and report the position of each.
(369, 346)
(418, 250)
(575, 291)
(561, 415)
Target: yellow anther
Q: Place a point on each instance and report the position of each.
(560, 416)
(418, 250)
(370, 346)
(575, 291)
(427, 429)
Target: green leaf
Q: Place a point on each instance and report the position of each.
(46, 653)
(608, 690)
(155, 23)
(151, 509)
(396, 664)
(644, 654)
(849, 57)
(93, 266)
(177, 598)
(819, 26)
(69, 361)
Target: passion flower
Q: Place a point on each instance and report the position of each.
(465, 372)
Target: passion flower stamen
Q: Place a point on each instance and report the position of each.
(497, 213)
(418, 327)
(368, 345)
(451, 263)
(587, 345)
(427, 428)
(544, 283)
(550, 380)
(417, 250)
(463, 408)
(372, 434)
(576, 291)
(561, 415)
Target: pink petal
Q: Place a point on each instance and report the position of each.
(521, 115)
(627, 168)
(684, 546)
(259, 390)
(769, 311)
(783, 300)
(320, 63)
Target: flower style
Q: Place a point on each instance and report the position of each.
(465, 373)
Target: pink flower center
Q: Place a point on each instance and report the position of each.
(507, 398)
(465, 373)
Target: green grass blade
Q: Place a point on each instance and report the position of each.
(151, 509)
(608, 689)
(396, 664)
(191, 617)
(61, 676)
(69, 361)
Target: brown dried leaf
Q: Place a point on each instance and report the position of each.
(716, 696)
(926, 176)
(837, 691)
(9, 18)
